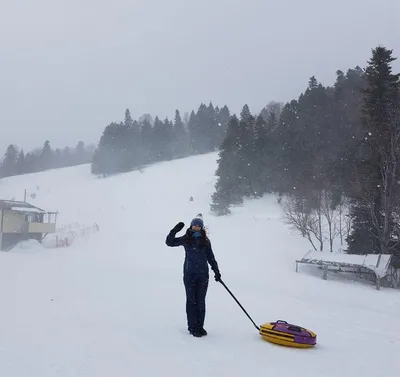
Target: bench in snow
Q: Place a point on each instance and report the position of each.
(377, 263)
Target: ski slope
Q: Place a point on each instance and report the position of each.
(113, 304)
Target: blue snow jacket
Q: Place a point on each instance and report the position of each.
(198, 252)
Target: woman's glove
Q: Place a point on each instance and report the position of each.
(177, 228)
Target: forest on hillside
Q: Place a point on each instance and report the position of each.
(132, 143)
(331, 156)
(16, 162)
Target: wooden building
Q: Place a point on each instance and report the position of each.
(20, 221)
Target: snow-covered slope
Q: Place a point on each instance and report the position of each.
(113, 304)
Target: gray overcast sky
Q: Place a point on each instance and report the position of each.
(69, 67)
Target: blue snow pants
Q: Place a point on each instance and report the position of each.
(196, 285)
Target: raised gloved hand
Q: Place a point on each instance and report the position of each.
(177, 228)
(217, 276)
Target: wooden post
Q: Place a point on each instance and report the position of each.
(378, 283)
(325, 277)
(297, 266)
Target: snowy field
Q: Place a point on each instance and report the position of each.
(113, 304)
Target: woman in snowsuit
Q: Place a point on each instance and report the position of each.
(198, 252)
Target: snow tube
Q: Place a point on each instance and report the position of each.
(286, 334)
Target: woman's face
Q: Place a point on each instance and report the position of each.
(196, 228)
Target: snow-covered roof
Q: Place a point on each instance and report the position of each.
(18, 206)
(27, 210)
(379, 263)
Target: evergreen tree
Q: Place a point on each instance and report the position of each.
(147, 138)
(245, 154)
(21, 169)
(132, 142)
(211, 128)
(162, 139)
(201, 131)
(158, 136)
(31, 163)
(137, 147)
(272, 122)
(245, 113)
(67, 157)
(10, 161)
(263, 158)
(376, 195)
(287, 148)
(193, 132)
(259, 158)
(222, 120)
(180, 142)
(128, 121)
(57, 159)
(347, 135)
(303, 134)
(227, 189)
(185, 119)
(98, 162)
(169, 138)
(46, 157)
(107, 157)
(115, 153)
(80, 153)
(204, 129)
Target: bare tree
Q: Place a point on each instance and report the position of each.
(272, 108)
(336, 213)
(328, 211)
(344, 218)
(322, 221)
(299, 217)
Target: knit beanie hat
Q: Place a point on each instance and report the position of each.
(198, 220)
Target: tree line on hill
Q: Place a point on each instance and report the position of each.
(16, 162)
(331, 156)
(130, 144)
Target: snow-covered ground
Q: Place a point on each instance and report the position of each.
(113, 304)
